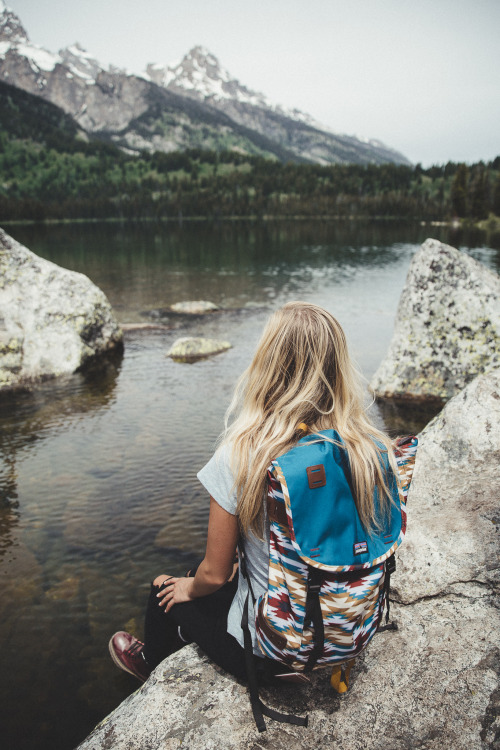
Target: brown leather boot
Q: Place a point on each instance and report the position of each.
(127, 653)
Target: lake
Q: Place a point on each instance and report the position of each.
(98, 488)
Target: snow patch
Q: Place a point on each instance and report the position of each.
(43, 59)
(168, 77)
(77, 50)
(78, 73)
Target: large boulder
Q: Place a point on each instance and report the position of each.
(447, 327)
(433, 683)
(52, 321)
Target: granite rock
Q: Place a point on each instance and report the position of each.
(52, 321)
(454, 513)
(447, 327)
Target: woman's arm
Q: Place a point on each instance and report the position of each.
(216, 567)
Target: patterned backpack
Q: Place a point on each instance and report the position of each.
(328, 578)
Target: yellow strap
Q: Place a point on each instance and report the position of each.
(302, 426)
(338, 684)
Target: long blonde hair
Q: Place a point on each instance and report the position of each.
(301, 373)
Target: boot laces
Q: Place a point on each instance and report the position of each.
(135, 649)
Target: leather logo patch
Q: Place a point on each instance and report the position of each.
(316, 476)
(360, 548)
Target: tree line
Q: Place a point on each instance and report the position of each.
(73, 178)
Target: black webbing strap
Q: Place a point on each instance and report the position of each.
(253, 685)
(314, 616)
(390, 567)
(259, 709)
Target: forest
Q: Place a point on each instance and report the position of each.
(50, 169)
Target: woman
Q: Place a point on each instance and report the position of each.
(301, 379)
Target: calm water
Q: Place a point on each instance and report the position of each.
(98, 489)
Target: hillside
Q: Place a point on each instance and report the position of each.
(27, 117)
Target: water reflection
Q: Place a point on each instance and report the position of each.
(9, 506)
(149, 265)
(38, 588)
(406, 418)
(238, 245)
(28, 414)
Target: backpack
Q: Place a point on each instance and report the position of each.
(328, 578)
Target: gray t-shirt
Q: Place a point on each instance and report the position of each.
(217, 478)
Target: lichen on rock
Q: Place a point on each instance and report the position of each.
(447, 328)
(52, 321)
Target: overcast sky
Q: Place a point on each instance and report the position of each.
(423, 76)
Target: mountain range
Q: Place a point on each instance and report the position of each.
(194, 103)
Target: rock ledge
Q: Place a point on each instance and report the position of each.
(431, 685)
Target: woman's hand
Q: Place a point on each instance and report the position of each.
(174, 591)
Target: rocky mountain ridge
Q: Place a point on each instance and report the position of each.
(200, 75)
(192, 104)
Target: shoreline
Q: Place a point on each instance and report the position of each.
(492, 224)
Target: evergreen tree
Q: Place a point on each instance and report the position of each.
(459, 191)
(479, 193)
(496, 197)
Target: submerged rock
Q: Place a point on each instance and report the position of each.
(195, 307)
(447, 327)
(191, 348)
(52, 321)
(63, 590)
(181, 312)
(432, 683)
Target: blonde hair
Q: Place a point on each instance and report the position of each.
(301, 373)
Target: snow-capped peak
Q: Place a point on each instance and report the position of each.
(199, 74)
(11, 28)
(13, 38)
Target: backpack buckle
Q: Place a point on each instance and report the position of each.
(316, 476)
(314, 580)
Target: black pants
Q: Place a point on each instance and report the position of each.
(202, 621)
